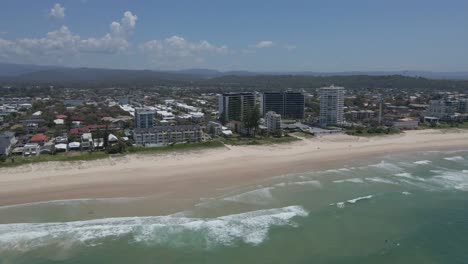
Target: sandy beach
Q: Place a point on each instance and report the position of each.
(178, 180)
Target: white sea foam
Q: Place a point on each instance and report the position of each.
(387, 166)
(455, 158)
(250, 227)
(380, 180)
(260, 196)
(353, 180)
(360, 198)
(422, 162)
(451, 179)
(405, 175)
(406, 193)
(352, 201)
(311, 183)
(409, 176)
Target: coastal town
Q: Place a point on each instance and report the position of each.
(227, 132)
(73, 122)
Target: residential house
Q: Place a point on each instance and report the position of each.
(86, 141)
(39, 139)
(31, 149)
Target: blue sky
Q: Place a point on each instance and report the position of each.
(326, 35)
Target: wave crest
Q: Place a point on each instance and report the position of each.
(249, 227)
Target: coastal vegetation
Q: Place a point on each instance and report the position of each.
(258, 140)
(95, 155)
(371, 131)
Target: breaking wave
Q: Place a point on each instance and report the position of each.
(259, 196)
(250, 227)
(352, 201)
(387, 166)
(380, 180)
(310, 183)
(451, 179)
(353, 180)
(455, 158)
(422, 162)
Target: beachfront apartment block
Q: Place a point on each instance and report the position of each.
(273, 122)
(442, 109)
(144, 118)
(331, 105)
(406, 123)
(360, 114)
(235, 106)
(165, 135)
(288, 104)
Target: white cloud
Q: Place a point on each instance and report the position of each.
(263, 44)
(177, 51)
(290, 47)
(62, 42)
(57, 11)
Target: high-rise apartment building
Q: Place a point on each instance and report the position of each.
(235, 106)
(144, 118)
(331, 105)
(287, 104)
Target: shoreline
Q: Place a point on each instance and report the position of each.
(179, 180)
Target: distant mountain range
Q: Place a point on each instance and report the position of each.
(27, 72)
(425, 74)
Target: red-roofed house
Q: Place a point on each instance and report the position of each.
(61, 116)
(39, 139)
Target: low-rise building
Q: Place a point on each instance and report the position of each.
(406, 123)
(165, 115)
(214, 128)
(360, 114)
(31, 149)
(164, 135)
(118, 122)
(86, 140)
(7, 141)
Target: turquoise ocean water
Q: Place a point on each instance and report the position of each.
(399, 209)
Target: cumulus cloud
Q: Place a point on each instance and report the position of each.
(263, 44)
(173, 49)
(63, 42)
(65, 47)
(57, 11)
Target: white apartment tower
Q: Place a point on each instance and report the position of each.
(331, 105)
(273, 122)
(144, 118)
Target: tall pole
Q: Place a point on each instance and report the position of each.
(380, 109)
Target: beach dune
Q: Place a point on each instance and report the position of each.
(181, 179)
